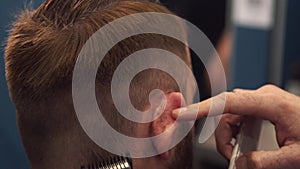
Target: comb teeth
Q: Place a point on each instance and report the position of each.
(111, 163)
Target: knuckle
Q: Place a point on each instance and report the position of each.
(283, 104)
(268, 87)
(269, 96)
(228, 119)
(279, 101)
(237, 90)
(254, 160)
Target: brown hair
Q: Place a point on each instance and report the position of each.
(40, 56)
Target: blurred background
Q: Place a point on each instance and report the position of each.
(257, 41)
(12, 154)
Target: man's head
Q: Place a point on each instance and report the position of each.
(40, 56)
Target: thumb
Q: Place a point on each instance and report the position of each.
(287, 157)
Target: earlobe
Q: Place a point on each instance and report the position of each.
(166, 124)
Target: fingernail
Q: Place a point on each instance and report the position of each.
(179, 111)
(186, 113)
(241, 163)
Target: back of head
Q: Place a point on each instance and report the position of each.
(40, 56)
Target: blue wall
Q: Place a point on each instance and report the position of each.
(292, 45)
(12, 155)
(251, 58)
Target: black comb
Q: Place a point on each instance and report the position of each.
(111, 163)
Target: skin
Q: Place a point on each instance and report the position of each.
(165, 123)
(269, 103)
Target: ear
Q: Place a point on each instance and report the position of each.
(165, 123)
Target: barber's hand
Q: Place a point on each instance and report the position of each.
(269, 103)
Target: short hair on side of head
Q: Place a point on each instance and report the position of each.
(40, 55)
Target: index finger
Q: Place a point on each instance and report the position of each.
(243, 102)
